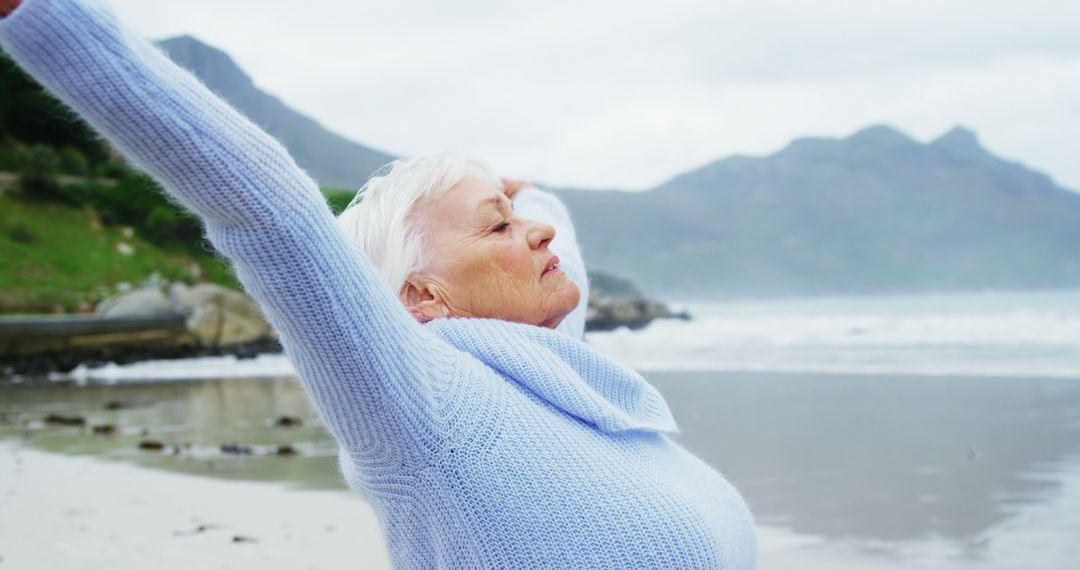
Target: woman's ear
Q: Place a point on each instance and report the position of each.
(423, 299)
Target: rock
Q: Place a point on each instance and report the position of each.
(151, 445)
(614, 302)
(288, 421)
(104, 429)
(118, 405)
(215, 316)
(145, 302)
(285, 450)
(234, 448)
(61, 420)
(182, 345)
(237, 539)
(218, 316)
(197, 530)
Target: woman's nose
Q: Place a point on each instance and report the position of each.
(540, 234)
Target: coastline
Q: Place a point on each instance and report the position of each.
(979, 454)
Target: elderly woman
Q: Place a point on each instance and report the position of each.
(434, 327)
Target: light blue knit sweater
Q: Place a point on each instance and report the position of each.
(480, 443)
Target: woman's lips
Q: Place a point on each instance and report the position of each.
(552, 266)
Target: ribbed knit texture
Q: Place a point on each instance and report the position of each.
(480, 443)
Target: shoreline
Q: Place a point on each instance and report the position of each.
(61, 511)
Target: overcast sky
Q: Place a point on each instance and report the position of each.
(625, 94)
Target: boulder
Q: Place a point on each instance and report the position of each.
(218, 316)
(144, 302)
(615, 302)
(609, 313)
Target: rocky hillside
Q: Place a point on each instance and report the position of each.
(874, 212)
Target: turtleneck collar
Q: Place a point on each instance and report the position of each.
(564, 371)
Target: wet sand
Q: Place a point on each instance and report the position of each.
(59, 511)
(841, 472)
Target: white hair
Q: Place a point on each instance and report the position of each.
(379, 220)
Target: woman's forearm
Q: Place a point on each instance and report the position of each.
(360, 353)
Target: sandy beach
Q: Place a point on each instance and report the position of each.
(937, 467)
(58, 511)
(62, 511)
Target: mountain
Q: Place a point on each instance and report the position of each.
(332, 159)
(874, 212)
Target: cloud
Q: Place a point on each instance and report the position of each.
(628, 94)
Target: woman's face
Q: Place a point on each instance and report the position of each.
(485, 261)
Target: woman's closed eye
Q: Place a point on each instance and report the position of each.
(501, 227)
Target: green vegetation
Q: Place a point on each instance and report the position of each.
(29, 115)
(55, 255)
(75, 220)
(338, 199)
(38, 167)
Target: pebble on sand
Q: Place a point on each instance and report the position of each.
(151, 445)
(288, 421)
(104, 429)
(62, 420)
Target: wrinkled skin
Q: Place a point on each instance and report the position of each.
(485, 261)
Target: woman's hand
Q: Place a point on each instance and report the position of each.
(510, 186)
(8, 6)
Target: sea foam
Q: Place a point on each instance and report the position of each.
(983, 334)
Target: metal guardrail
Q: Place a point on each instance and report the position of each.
(63, 325)
(70, 334)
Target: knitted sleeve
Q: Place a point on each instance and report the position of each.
(366, 363)
(541, 206)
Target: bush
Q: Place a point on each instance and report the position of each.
(79, 193)
(129, 201)
(9, 158)
(110, 169)
(136, 200)
(38, 166)
(162, 223)
(30, 114)
(73, 162)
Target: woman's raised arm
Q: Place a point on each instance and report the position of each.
(365, 362)
(535, 204)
